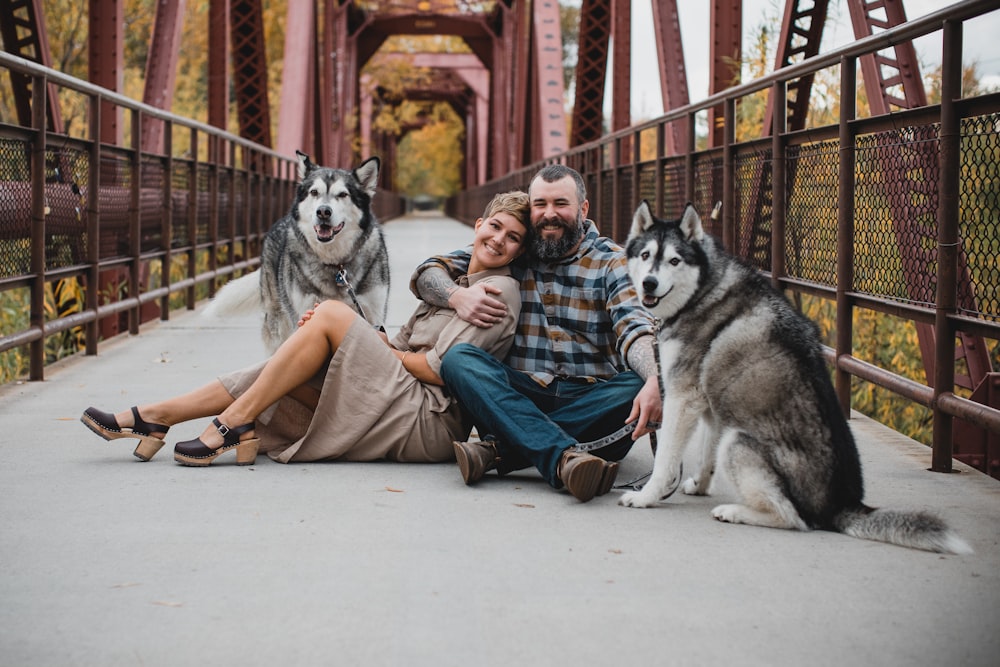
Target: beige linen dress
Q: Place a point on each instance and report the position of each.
(370, 407)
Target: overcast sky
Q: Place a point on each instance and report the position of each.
(695, 28)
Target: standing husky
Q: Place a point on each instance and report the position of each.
(736, 356)
(329, 246)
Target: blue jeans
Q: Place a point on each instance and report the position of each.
(533, 424)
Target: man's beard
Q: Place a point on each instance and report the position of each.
(552, 250)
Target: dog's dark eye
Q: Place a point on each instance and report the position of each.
(342, 195)
(314, 192)
(674, 261)
(644, 256)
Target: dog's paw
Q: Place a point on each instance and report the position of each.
(728, 513)
(637, 499)
(690, 487)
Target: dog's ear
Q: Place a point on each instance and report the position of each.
(305, 164)
(642, 220)
(367, 175)
(691, 224)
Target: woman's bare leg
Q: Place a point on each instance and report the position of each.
(205, 401)
(297, 360)
(286, 373)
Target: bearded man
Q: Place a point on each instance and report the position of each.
(582, 363)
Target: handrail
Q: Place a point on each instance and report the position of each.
(29, 68)
(112, 211)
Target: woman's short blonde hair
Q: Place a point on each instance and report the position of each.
(514, 203)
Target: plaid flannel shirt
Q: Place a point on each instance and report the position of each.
(579, 316)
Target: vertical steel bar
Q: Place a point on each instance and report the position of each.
(167, 225)
(135, 224)
(661, 146)
(92, 331)
(729, 176)
(231, 213)
(724, 59)
(630, 205)
(192, 267)
(597, 196)
(621, 95)
(106, 60)
(218, 57)
(215, 157)
(845, 228)
(36, 363)
(673, 74)
(689, 157)
(616, 186)
(947, 250)
(778, 184)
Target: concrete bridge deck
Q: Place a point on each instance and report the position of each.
(106, 560)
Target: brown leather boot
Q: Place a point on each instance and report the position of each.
(475, 459)
(582, 474)
(608, 476)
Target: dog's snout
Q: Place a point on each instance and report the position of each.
(649, 284)
(324, 212)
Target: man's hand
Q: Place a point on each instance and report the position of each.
(475, 305)
(647, 407)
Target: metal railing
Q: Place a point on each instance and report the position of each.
(898, 214)
(129, 228)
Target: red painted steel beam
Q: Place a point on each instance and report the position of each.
(250, 70)
(724, 59)
(471, 27)
(106, 42)
(801, 33)
(298, 83)
(621, 85)
(507, 100)
(218, 59)
(161, 68)
(547, 117)
(591, 71)
(345, 73)
(22, 29)
(894, 76)
(325, 91)
(673, 73)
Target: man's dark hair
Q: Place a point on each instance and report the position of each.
(557, 172)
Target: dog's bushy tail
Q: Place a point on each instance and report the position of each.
(916, 530)
(237, 297)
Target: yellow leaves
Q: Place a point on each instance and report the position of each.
(890, 343)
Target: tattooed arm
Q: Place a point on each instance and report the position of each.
(647, 405)
(476, 304)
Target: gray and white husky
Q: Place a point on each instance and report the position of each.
(328, 245)
(737, 358)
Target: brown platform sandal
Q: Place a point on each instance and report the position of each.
(105, 425)
(197, 453)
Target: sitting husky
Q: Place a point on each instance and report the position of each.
(329, 246)
(736, 356)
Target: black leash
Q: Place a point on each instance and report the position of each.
(630, 426)
(342, 281)
(635, 483)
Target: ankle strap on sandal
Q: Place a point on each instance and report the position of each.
(237, 431)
